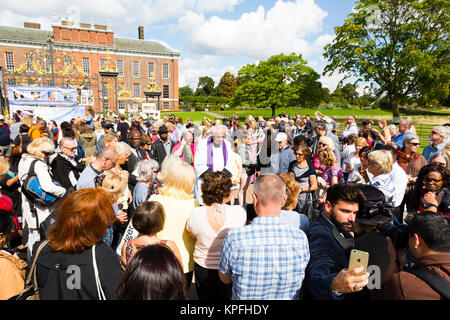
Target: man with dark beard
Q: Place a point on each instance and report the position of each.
(330, 242)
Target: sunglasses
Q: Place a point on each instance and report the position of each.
(416, 144)
(429, 180)
(322, 144)
(434, 132)
(298, 154)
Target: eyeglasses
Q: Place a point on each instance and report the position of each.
(429, 180)
(71, 149)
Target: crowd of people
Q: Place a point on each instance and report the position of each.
(255, 209)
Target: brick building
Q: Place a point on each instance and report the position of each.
(139, 62)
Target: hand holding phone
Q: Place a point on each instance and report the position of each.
(358, 258)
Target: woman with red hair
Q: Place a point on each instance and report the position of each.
(67, 263)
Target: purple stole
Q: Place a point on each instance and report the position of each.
(209, 151)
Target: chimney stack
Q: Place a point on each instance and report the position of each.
(141, 32)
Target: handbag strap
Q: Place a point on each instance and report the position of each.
(101, 294)
(434, 280)
(33, 266)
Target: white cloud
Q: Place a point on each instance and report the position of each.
(192, 69)
(259, 34)
(126, 15)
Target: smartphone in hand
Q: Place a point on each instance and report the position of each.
(358, 258)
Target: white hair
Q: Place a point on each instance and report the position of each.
(145, 168)
(216, 128)
(122, 148)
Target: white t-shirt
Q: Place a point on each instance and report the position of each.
(355, 163)
(209, 243)
(347, 155)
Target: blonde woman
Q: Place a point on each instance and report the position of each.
(178, 202)
(332, 174)
(384, 129)
(114, 185)
(380, 165)
(39, 151)
(324, 142)
(123, 151)
(355, 161)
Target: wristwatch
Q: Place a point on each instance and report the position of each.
(427, 205)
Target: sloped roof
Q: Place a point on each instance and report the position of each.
(27, 34)
(150, 46)
(41, 36)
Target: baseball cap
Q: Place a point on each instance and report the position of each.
(2, 117)
(281, 137)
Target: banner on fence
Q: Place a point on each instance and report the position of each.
(41, 96)
(59, 114)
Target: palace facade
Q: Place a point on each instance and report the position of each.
(121, 73)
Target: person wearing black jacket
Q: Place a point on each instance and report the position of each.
(161, 147)
(65, 168)
(65, 268)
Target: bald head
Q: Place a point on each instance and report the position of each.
(270, 190)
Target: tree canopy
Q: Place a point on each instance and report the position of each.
(400, 45)
(282, 80)
(227, 85)
(205, 86)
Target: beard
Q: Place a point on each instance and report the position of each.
(342, 227)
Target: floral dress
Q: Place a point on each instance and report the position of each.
(333, 171)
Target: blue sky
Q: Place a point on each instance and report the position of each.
(213, 36)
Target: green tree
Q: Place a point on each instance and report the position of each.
(227, 85)
(349, 93)
(400, 45)
(185, 91)
(205, 86)
(282, 80)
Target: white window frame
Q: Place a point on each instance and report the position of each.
(8, 57)
(136, 85)
(168, 91)
(136, 74)
(150, 72)
(120, 69)
(86, 65)
(163, 72)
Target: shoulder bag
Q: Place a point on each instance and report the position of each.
(31, 290)
(311, 207)
(17, 150)
(434, 280)
(101, 294)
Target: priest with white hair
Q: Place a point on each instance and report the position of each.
(212, 154)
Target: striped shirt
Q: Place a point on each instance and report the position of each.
(266, 260)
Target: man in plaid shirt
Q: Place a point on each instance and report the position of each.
(265, 260)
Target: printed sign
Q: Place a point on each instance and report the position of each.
(42, 96)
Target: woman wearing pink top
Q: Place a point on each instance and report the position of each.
(209, 225)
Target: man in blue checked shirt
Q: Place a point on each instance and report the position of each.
(265, 260)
